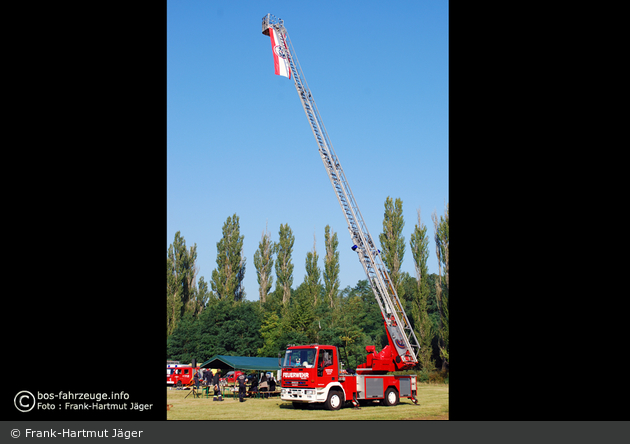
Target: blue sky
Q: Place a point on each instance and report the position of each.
(238, 140)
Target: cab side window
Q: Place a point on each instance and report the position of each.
(325, 359)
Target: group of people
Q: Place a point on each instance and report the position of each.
(213, 379)
(267, 384)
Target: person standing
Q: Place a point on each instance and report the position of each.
(215, 382)
(264, 386)
(242, 381)
(196, 379)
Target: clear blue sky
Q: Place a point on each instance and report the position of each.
(238, 140)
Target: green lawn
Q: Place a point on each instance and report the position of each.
(432, 404)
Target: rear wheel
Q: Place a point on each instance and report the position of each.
(334, 401)
(391, 396)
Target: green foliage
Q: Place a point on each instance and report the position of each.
(173, 298)
(223, 328)
(393, 242)
(351, 334)
(438, 377)
(270, 333)
(441, 246)
(263, 261)
(181, 293)
(284, 264)
(227, 278)
(331, 266)
(312, 279)
(372, 321)
(182, 343)
(300, 316)
(423, 327)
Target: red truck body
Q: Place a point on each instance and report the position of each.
(313, 374)
(180, 375)
(232, 376)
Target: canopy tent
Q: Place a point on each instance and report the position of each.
(241, 363)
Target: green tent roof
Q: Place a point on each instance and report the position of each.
(241, 363)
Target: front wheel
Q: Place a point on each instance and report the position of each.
(334, 401)
(391, 397)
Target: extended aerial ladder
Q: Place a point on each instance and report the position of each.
(403, 349)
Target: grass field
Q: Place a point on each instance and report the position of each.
(432, 404)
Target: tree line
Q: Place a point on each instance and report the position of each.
(209, 318)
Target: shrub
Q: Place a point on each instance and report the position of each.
(438, 377)
(423, 376)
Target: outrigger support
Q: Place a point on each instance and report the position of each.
(355, 403)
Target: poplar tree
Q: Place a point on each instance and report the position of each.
(200, 298)
(331, 266)
(263, 261)
(393, 242)
(181, 272)
(441, 248)
(313, 275)
(227, 278)
(284, 266)
(424, 329)
(173, 297)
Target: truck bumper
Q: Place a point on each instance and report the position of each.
(303, 395)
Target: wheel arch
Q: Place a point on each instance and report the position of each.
(335, 386)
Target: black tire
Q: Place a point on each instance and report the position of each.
(179, 384)
(391, 397)
(335, 400)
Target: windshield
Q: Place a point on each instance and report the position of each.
(304, 357)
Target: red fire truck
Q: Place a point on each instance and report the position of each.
(313, 373)
(180, 375)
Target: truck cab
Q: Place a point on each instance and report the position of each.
(311, 374)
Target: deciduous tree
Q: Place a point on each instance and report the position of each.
(181, 272)
(442, 294)
(419, 310)
(227, 278)
(263, 261)
(393, 242)
(312, 279)
(331, 266)
(284, 265)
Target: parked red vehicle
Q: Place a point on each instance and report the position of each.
(313, 374)
(232, 376)
(180, 375)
